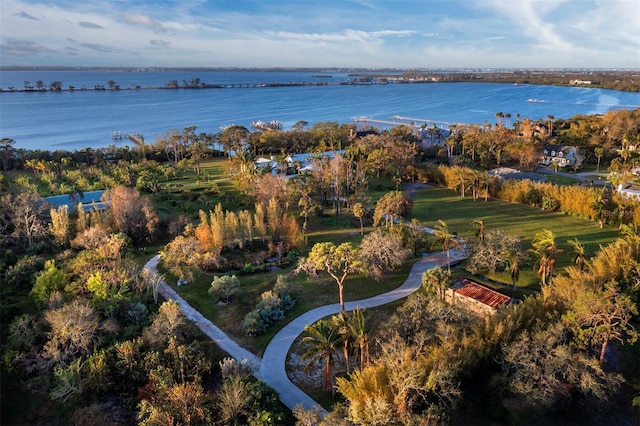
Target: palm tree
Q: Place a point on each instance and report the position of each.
(341, 321)
(461, 177)
(514, 268)
(324, 340)
(446, 240)
(360, 332)
(550, 120)
(579, 253)
(478, 224)
(358, 211)
(477, 180)
(436, 280)
(544, 247)
(599, 152)
(244, 159)
(600, 205)
(630, 232)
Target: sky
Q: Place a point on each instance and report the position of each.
(322, 33)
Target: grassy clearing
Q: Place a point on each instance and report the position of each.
(308, 293)
(561, 179)
(433, 204)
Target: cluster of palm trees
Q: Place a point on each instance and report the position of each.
(347, 332)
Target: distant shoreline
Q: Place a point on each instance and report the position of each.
(619, 80)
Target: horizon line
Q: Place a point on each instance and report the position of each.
(299, 68)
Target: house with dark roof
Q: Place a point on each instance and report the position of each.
(477, 298)
(564, 156)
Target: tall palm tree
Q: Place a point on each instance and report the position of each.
(478, 224)
(545, 248)
(435, 280)
(342, 322)
(446, 240)
(579, 253)
(600, 205)
(514, 268)
(324, 340)
(360, 332)
(599, 152)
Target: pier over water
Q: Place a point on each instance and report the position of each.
(416, 123)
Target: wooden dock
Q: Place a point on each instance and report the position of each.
(137, 138)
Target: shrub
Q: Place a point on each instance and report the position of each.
(550, 204)
(225, 288)
(252, 325)
(271, 309)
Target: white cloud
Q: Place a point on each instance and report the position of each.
(368, 33)
(143, 21)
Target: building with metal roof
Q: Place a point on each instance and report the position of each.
(477, 298)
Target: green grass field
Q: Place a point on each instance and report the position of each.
(433, 204)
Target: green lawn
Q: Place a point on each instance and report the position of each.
(308, 293)
(561, 179)
(433, 204)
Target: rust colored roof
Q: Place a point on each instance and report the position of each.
(482, 294)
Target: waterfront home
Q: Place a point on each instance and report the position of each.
(564, 156)
(295, 163)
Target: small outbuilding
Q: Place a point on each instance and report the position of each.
(476, 297)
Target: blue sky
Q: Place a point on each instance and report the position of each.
(308, 33)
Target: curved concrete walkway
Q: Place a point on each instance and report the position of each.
(271, 369)
(207, 327)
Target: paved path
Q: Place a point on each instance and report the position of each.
(275, 355)
(272, 368)
(581, 176)
(207, 327)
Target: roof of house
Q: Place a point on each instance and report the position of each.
(90, 200)
(558, 148)
(482, 294)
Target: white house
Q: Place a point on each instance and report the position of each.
(564, 156)
(295, 163)
(629, 191)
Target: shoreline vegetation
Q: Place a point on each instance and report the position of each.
(620, 80)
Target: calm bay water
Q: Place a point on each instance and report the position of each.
(74, 120)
